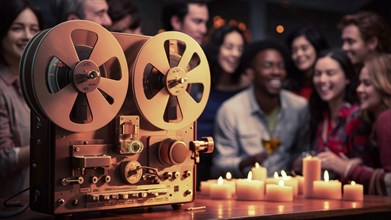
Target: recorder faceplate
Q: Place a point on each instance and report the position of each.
(113, 122)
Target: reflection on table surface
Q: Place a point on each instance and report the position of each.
(372, 206)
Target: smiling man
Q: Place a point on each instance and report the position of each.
(363, 35)
(264, 123)
(189, 17)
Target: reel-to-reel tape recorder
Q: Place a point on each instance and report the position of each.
(113, 120)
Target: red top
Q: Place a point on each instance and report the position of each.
(305, 91)
(348, 136)
(370, 177)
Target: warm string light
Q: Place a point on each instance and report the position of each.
(219, 21)
(280, 29)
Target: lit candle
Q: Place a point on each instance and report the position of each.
(353, 192)
(248, 189)
(205, 186)
(273, 180)
(292, 182)
(259, 173)
(327, 189)
(311, 172)
(288, 181)
(220, 190)
(300, 180)
(279, 193)
(231, 182)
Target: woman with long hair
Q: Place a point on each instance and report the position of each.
(305, 45)
(20, 22)
(374, 93)
(338, 134)
(223, 50)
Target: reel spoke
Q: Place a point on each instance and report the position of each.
(99, 106)
(161, 63)
(102, 51)
(65, 51)
(62, 101)
(159, 103)
(186, 57)
(187, 104)
(107, 86)
(197, 75)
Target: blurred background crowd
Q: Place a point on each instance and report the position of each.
(289, 77)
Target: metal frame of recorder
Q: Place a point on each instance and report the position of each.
(113, 124)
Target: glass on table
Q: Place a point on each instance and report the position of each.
(271, 144)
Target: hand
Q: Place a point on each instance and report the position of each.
(251, 160)
(336, 163)
(331, 161)
(297, 165)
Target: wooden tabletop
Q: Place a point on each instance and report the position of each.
(375, 207)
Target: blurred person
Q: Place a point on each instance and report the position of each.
(305, 44)
(374, 93)
(338, 135)
(187, 16)
(21, 21)
(223, 50)
(124, 16)
(364, 34)
(264, 123)
(92, 10)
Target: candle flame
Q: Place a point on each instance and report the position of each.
(275, 175)
(352, 183)
(228, 176)
(281, 183)
(256, 165)
(250, 175)
(326, 176)
(220, 181)
(283, 174)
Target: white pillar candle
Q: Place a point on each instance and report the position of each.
(300, 181)
(311, 172)
(205, 186)
(248, 189)
(327, 189)
(259, 173)
(279, 193)
(220, 190)
(288, 181)
(353, 192)
(231, 182)
(292, 182)
(273, 180)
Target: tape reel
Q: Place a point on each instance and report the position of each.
(166, 68)
(74, 77)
